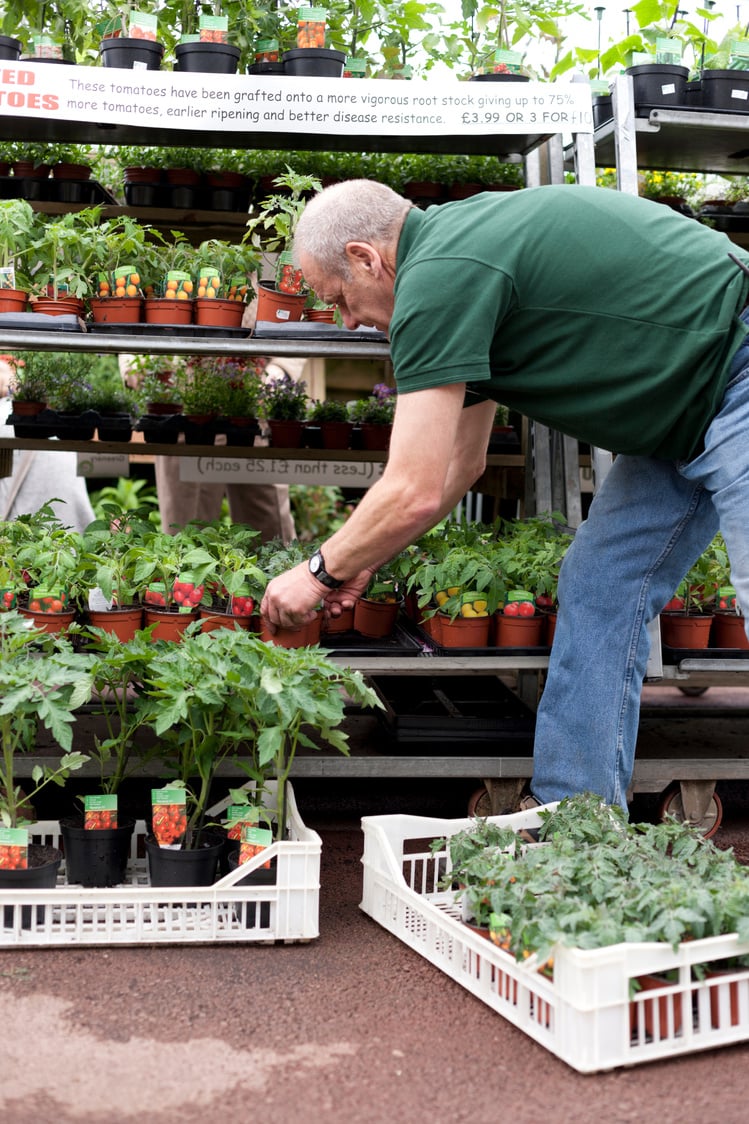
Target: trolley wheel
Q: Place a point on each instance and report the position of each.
(672, 805)
(480, 803)
(692, 692)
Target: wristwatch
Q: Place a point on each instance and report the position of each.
(317, 569)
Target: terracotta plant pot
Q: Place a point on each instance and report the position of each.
(218, 312)
(336, 435)
(58, 306)
(13, 300)
(123, 623)
(334, 625)
(679, 630)
(286, 434)
(728, 631)
(464, 632)
(278, 308)
(655, 1024)
(167, 310)
(211, 619)
(116, 310)
(375, 438)
(67, 171)
(517, 632)
(50, 622)
(284, 637)
(375, 618)
(169, 625)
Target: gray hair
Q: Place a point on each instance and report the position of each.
(352, 211)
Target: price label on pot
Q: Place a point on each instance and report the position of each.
(280, 470)
(169, 100)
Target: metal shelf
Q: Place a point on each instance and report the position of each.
(686, 140)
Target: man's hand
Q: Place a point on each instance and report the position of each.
(346, 596)
(290, 600)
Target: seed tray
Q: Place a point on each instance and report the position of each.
(454, 709)
(400, 642)
(676, 655)
(140, 328)
(436, 649)
(584, 1014)
(136, 913)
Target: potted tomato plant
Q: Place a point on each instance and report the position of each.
(45, 691)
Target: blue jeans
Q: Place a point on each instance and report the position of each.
(646, 526)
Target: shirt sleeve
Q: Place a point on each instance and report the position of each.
(448, 333)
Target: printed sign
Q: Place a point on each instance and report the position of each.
(226, 103)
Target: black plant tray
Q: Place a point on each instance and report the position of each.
(315, 330)
(428, 644)
(676, 655)
(455, 709)
(39, 322)
(143, 329)
(400, 642)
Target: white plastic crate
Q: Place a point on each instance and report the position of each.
(137, 913)
(584, 1014)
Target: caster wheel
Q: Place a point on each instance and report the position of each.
(671, 805)
(480, 803)
(693, 692)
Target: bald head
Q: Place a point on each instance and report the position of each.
(353, 211)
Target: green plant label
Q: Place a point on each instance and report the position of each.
(14, 848)
(210, 283)
(125, 281)
(110, 27)
(668, 51)
(239, 816)
(168, 815)
(738, 58)
(254, 840)
(178, 284)
(143, 25)
(355, 68)
(7, 277)
(507, 61)
(642, 58)
(213, 29)
(100, 811)
(189, 38)
(519, 595)
(46, 48)
(8, 598)
(266, 50)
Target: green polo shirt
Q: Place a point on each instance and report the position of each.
(600, 314)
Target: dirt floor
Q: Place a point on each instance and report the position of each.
(351, 1028)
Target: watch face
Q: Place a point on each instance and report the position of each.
(315, 563)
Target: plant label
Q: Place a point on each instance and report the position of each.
(254, 840)
(99, 812)
(169, 815)
(14, 848)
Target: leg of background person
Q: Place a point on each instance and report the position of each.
(266, 507)
(180, 500)
(646, 527)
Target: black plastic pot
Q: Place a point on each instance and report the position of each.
(114, 427)
(657, 84)
(10, 49)
(602, 109)
(262, 876)
(725, 89)
(314, 62)
(208, 58)
(499, 76)
(127, 53)
(196, 867)
(266, 68)
(44, 863)
(96, 858)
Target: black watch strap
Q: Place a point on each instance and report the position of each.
(317, 569)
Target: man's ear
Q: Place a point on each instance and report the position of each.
(363, 256)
